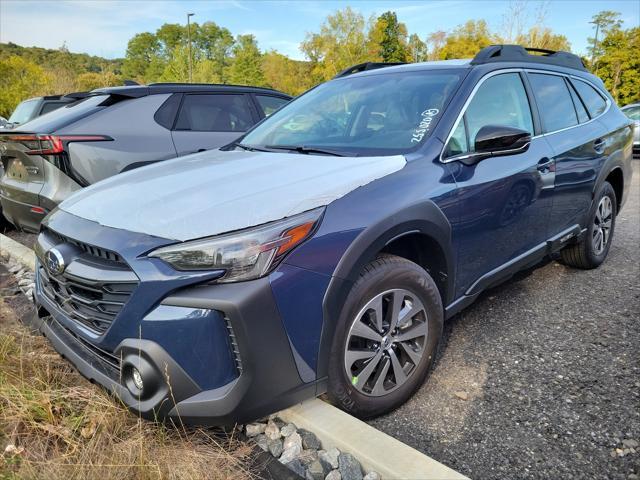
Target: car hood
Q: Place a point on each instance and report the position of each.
(221, 191)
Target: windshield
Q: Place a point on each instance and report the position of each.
(382, 114)
(24, 111)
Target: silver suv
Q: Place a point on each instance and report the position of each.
(113, 130)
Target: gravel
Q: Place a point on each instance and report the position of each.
(540, 378)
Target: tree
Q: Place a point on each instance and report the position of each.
(389, 38)
(619, 63)
(341, 43)
(604, 22)
(214, 45)
(286, 75)
(466, 40)
(246, 66)
(143, 60)
(170, 36)
(92, 80)
(19, 79)
(417, 49)
(435, 44)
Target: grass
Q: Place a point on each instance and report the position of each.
(54, 424)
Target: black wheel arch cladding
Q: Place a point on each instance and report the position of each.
(424, 218)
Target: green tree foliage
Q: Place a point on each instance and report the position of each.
(417, 49)
(286, 75)
(19, 79)
(143, 59)
(246, 67)
(466, 40)
(341, 42)
(606, 20)
(388, 37)
(619, 64)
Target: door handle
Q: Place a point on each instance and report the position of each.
(599, 145)
(544, 165)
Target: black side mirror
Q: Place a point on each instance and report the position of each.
(494, 140)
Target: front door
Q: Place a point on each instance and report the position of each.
(503, 202)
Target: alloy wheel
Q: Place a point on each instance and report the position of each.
(602, 225)
(386, 342)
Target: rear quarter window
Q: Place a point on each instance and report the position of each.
(270, 104)
(591, 98)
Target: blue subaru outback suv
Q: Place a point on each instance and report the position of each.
(322, 251)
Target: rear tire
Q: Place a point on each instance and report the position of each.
(594, 246)
(396, 305)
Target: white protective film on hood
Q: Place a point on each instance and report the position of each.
(221, 191)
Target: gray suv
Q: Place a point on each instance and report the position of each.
(113, 130)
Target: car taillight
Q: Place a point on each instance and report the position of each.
(52, 144)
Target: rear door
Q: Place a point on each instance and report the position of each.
(578, 143)
(210, 120)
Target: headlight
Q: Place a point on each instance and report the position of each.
(245, 254)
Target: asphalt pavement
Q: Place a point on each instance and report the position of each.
(541, 377)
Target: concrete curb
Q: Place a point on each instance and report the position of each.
(18, 252)
(375, 450)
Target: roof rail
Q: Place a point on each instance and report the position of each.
(130, 83)
(517, 53)
(362, 67)
(185, 84)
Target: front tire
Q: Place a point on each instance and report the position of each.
(386, 337)
(594, 246)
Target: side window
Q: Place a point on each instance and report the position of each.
(554, 101)
(591, 98)
(583, 116)
(214, 113)
(632, 113)
(501, 100)
(270, 104)
(166, 114)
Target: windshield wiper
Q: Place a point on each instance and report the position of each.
(249, 148)
(305, 149)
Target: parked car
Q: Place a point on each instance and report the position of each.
(323, 250)
(117, 129)
(32, 108)
(633, 112)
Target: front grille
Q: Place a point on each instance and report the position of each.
(85, 247)
(93, 303)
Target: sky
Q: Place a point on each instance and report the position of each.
(103, 27)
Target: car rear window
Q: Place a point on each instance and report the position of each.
(214, 113)
(591, 98)
(65, 115)
(554, 101)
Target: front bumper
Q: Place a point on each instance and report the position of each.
(209, 354)
(267, 379)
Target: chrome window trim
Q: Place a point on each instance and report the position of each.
(518, 70)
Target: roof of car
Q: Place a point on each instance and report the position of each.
(157, 88)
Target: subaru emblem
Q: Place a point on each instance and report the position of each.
(55, 262)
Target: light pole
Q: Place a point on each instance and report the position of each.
(595, 45)
(189, 15)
